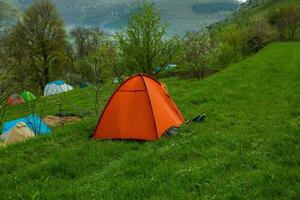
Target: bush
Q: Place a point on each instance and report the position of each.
(260, 34)
(199, 53)
(287, 21)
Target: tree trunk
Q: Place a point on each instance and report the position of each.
(197, 74)
(290, 31)
(46, 77)
(97, 100)
(203, 73)
(41, 83)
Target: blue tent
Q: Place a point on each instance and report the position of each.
(32, 121)
(171, 66)
(57, 82)
(157, 70)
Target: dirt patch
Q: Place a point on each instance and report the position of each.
(54, 121)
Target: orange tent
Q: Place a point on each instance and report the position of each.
(14, 99)
(140, 108)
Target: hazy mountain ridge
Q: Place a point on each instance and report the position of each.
(111, 15)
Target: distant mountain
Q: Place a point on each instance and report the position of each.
(111, 15)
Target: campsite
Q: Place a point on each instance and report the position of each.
(208, 117)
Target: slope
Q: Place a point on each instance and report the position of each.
(253, 10)
(248, 148)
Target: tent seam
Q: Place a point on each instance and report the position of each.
(147, 91)
(106, 105)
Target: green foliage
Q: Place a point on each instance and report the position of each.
(248, 148)
(199, 53)
(143, 44)
(287, 21)
(38, 43)
(233, 39)
(86, 40)
(260, 34)
(7, 87)
(98, 67)
(248, 30)
(243, 38)
(226, 55)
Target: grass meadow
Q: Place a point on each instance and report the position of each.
(247, 148)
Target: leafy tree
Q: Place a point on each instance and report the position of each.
(199, 52)
(98, 66)
(39, 42)
(7, 87)
(242, 39)
(259, 35)
(86, 40)
(233, 39)
(119, 69)
(143, 44)
(227, 54)
(287, 21)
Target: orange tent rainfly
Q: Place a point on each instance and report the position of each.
(140, 108)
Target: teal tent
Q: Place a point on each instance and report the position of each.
(32, 121)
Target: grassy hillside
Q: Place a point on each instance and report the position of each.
(254, 9)
(248, 148)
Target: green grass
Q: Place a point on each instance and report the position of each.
(248, 147)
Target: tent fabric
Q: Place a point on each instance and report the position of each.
(58, 82)
(117, 80)
(32, 121)
(27, 96)
(57, 87)
(14, 99)
(171, 66)
(140, 108)
(157, 70)
(19, 133)
(84, 85)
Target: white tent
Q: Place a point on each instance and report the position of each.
(56, 87)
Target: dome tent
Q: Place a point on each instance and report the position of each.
(20, 132)
(140, 108)
(14, 99)
(56, 87)
(84, 85)
(27, 96)
(32, 121)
